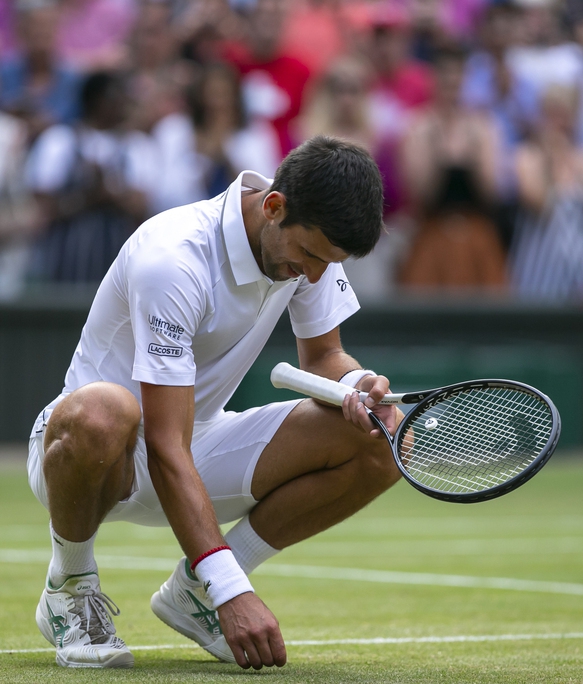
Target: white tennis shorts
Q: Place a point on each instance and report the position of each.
(225, 452)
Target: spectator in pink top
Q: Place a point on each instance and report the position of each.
(93, 33)
(460, 17)
(314, 33)
(7, 30)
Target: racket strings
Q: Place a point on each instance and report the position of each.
(475, 439)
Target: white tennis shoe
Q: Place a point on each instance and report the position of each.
(77, 619)
(183, 604)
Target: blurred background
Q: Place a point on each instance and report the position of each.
(114, 110)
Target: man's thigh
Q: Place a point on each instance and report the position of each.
(313, 437)
(225, 452)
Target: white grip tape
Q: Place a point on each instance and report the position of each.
(287, 377)
(222, 577)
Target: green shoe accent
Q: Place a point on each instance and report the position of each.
(189, 572)
(206, 616)
(58, 626)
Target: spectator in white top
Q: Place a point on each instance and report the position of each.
(93, 183)
(227, 139)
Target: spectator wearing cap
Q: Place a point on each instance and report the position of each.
(35, 82)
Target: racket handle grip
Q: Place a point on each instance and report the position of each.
(287, 377)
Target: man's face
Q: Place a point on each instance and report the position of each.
(294, 251)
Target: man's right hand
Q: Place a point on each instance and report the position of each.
(252, 632)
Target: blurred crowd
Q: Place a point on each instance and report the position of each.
(114, 110)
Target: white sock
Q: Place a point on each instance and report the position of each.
(70, 558)
(247, 546)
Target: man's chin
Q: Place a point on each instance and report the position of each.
(281, 274)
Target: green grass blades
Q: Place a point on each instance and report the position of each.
(408, 590)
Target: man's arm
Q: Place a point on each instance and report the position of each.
(324, 355)
(249, 627)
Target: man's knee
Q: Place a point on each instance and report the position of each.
(100, 418)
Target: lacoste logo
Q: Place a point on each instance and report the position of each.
(160, 350)
(342, 284)
(160, 326)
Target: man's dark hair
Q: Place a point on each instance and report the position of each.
(335, 186)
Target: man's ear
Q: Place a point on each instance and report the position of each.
(274, 206)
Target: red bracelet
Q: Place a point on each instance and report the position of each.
(206, 554)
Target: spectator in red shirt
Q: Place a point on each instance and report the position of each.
(273, 82)
(402, 83)
(315, 33)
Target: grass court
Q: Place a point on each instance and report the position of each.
(409, 590)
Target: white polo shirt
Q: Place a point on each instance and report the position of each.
(185, 303)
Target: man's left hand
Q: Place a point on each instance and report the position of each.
(355, 411)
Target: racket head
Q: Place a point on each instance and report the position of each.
(475, 441)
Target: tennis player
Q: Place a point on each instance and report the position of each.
(139, 432)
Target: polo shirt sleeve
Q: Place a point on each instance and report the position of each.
(167, 302)
(317, 308)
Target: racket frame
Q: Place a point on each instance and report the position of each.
(433, 397)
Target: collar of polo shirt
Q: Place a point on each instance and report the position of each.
(243, 264)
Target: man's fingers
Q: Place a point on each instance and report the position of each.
(268, 650)
(278, 651)
(240, 656)
(355, 412)
(376, 387)
(259, 651)
(252, 632)
(255, 660)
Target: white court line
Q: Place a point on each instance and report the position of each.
(463, 638)
(323, 572)
(430, 579)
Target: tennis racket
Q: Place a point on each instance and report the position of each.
(464, 443)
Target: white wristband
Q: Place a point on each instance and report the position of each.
(222, 577)
(353, 377)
